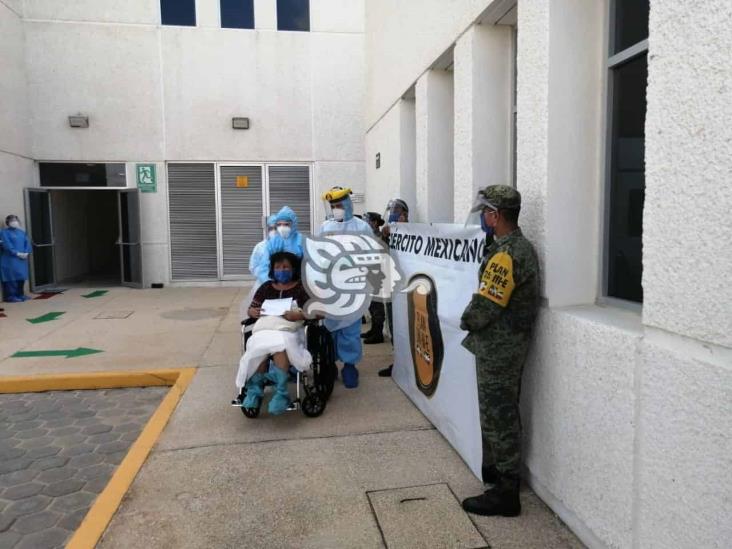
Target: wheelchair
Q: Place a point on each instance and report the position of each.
(314, 386)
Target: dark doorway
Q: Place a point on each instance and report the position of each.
(86, 233)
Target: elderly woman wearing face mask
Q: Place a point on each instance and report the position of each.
(276, 338)
(14, 260)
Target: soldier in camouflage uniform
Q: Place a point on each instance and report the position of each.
(499, 320)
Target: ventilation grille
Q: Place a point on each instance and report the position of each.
(192, 205)
(241, 217)
(290, 186)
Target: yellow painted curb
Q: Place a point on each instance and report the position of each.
(106, 504)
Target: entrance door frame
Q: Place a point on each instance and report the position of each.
(29, 230)
(51, 190)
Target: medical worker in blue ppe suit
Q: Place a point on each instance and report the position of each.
(14, 260)
(346, 334)
(259, 260)
(287, 239)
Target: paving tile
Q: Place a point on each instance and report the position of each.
(54, 537)
(22, 491)
(9, 539)
(63, 487)
(28, 505)
(58, 452)
(36, 522)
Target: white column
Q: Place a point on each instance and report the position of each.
(408, 153)
(482, 112)
(434, 123)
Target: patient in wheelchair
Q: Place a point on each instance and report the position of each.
(278, 338)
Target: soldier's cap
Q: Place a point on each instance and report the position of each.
(497, 197)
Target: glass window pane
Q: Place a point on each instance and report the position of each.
(293, 15)
(237, 14)
(178, 12)
(631, 23)
(625, 265)
(67, 174)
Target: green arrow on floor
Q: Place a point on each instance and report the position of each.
(68, 353)
(95, 293)
(48, 317)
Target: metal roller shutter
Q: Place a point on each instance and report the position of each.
(241, 216)
(290, 186)
(192, 205)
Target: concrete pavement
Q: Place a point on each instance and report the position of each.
(217, 479)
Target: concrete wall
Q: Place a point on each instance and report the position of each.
(626, 408)
(394, 138)
(158, 93)
(16, 166)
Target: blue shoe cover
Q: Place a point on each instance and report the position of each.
(255, 391)
(13, 299)
(24, 298)
(350, 376)
(281, 400)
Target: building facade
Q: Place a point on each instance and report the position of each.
(103, 99)
(612, 119)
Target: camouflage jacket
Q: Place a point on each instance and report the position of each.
(508, 294)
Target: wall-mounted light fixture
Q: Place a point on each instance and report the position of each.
(240, 123)
(79, 121)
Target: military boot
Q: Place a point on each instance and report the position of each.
(502, 499)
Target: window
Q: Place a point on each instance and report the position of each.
(628, 66)
(293, 15)
(237, 14)
(178, 12)
(67, 174)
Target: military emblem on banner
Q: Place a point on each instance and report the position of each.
(425, 336)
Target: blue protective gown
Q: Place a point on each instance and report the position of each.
(13, 268)
(346, 336)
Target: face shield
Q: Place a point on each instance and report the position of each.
(337, 204)
(396, 211)
(475, 216)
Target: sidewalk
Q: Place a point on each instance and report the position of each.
(217, 479)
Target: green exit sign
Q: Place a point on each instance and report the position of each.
(146, 178)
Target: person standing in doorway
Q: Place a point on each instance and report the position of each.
(397, 211)
(346, 334)
(499, 320)
(14, 260)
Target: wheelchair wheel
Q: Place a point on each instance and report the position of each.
(251, 413)
(313, 405)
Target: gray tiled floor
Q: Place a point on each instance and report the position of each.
(57, 451)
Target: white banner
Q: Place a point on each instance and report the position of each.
(440, 264)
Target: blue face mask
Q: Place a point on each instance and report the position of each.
(283, 277)
(486, 228)
(393, 217)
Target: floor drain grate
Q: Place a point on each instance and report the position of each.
(423, 516)
(113, 315)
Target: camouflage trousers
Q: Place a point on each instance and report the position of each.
(499, 387)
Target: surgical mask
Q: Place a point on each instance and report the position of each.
(339, 214)
(394, 217)
(283, 277)
(272, 233)
(486, 228)
(284, 231)
(14, 224)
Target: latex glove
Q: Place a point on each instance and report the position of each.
(22, 255)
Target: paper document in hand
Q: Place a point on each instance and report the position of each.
(276, 307)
